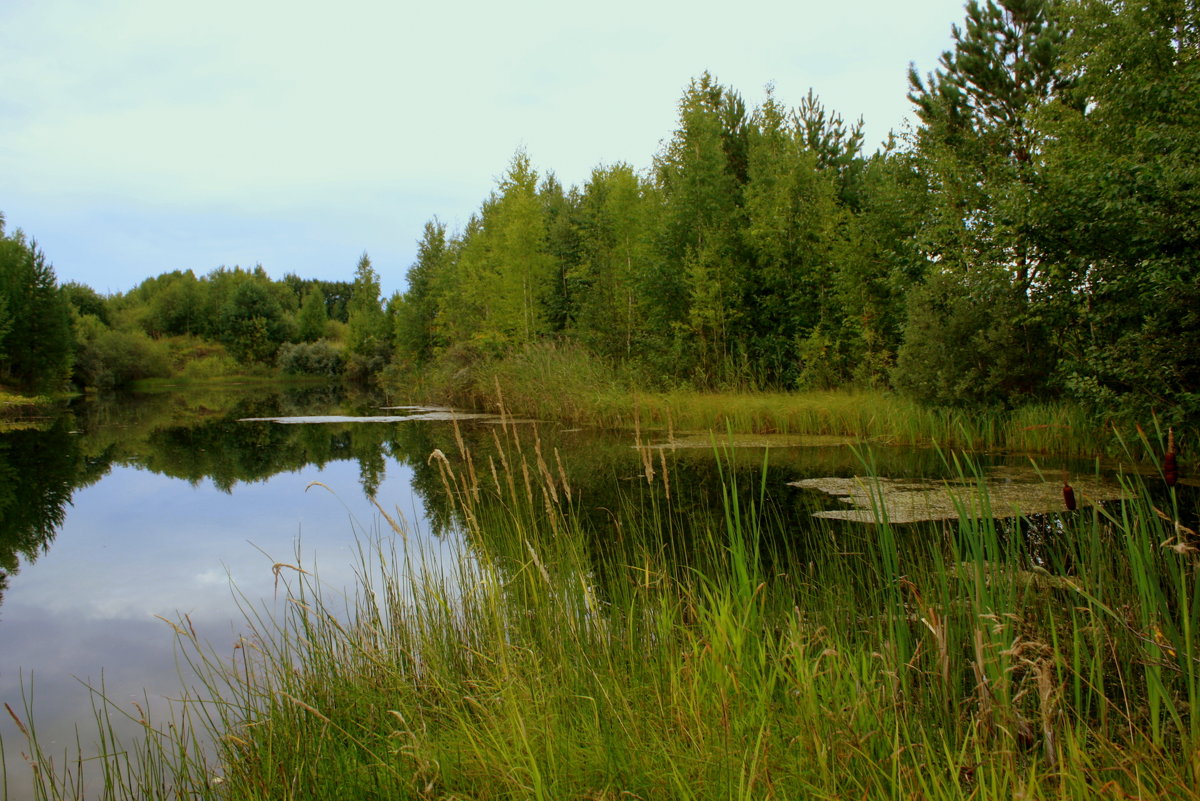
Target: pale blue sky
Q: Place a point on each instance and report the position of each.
(140, 136)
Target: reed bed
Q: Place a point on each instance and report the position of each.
(676, 656)
(567, 384)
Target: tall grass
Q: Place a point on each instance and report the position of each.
(568, 384)
(677, 656)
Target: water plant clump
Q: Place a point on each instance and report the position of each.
(670, 654)
(1000, 492)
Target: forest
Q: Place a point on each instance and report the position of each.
(1034, 235)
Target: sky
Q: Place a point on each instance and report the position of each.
(143, 136)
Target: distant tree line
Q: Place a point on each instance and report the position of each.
(1036, 234)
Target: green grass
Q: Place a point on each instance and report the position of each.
(676, 656)
(567, 384)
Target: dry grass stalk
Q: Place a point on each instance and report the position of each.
(562, 474)
(1048, 693)
(396, 527)
(662, 459)
(547, 478)
(508, 473)
(984, 696)
(17, 720)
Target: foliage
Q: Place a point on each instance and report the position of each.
(1034, 233)
(318, 358)
(107, 357)
(313, 318)
(36, 340)
(368, 338)
(252, 323)
(416, 314)
(968, 341)
(1119, 206)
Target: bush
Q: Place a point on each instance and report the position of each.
(106, 357)
(318, 358)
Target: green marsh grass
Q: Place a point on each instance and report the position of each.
(565, 383)
(676, 655)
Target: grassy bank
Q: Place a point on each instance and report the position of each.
(567, 384)
(728, 656)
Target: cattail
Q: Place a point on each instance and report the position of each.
(1170, 468)
(1068, 495)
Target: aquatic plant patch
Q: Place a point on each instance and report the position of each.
(1006, 492)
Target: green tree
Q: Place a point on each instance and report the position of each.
(878, 259)
(978, 149)
(368, 340)
(251, 322)
(977, 137)
(1119, 206)
(86, 300)
(37, 344)
(965, 342)
(312, 320)
(563, 248)
(792, 221)
(701, 276)
(416, 314)
(503, 275)
(615, 227)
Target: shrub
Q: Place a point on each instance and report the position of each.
(318, 358)
(106, 357)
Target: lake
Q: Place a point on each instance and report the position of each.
(124, 513)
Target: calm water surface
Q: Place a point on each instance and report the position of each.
(115, 516)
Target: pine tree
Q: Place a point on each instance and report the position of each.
(979, 153)
(977, 138)
(36, 340)
(702, 270)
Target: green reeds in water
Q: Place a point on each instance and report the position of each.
(675, 654)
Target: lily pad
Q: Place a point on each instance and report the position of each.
(1010, 492)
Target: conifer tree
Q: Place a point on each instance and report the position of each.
(977, 134)
(36, 340)
(368, 340)
(978, 150)
(702, 271)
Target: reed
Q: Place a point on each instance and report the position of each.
(566, 383)
(672, 655)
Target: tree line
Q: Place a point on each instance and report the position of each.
(1034, 234)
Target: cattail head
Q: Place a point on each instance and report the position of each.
(1069, 496)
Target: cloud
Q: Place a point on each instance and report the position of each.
(388, 113)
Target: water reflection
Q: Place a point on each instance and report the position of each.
(39, 469)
